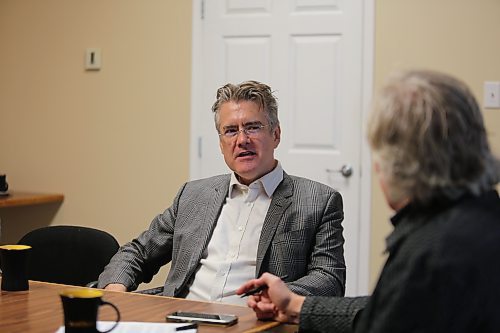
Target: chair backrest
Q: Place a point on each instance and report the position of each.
(68, 254)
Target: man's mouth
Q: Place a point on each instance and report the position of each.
(246, 153)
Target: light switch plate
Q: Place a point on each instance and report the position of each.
(492, 95)
(93, 59)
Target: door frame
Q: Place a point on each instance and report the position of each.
(364, 212)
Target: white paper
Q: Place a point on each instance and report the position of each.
(138, 327)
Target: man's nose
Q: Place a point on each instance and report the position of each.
(242, 136)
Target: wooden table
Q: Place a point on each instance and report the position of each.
(26, 198)
(40, 310)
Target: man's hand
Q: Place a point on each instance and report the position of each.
(276, 302)
(115, 287)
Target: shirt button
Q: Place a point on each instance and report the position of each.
(240, 228)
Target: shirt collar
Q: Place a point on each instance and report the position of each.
(269, 182)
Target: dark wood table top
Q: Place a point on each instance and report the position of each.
(40, 310)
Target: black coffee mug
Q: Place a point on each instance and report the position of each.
(4, 186)
(80, 307)
(14, 264)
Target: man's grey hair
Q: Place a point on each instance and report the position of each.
(428, 136)
(254, 91)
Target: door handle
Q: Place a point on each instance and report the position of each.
(345, 170)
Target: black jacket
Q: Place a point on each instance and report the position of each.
(442, 275)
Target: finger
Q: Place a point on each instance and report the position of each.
(265, 307)
(251, 302)
(256, 298)
(264, 315)
(246, 287)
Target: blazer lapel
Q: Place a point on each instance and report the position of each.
(282, 198)
(214, 201)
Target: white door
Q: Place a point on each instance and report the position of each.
(311, 53)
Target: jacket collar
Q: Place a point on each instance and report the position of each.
(413, 216)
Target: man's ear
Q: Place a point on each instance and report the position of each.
(277, 136)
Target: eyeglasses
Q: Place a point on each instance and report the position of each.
(251, 131)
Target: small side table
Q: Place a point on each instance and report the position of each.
(27, 198)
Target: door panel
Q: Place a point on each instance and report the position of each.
(311, 53)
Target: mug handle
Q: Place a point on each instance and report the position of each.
(117, 315)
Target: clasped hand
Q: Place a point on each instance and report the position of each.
(276, 302)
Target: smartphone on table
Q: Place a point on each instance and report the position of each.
(202, 318)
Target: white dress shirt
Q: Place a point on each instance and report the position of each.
(230, 257)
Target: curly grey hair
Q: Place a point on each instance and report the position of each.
(427, 134)
(254, 91)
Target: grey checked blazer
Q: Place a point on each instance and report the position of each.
(301, 238)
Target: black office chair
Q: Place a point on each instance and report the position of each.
(68, 254)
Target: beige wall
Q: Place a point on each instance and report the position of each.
(115, 142)
(460, 37)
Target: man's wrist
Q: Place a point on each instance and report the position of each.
(116, 287)
(294, 308)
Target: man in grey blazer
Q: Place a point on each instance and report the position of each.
(221, 231)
